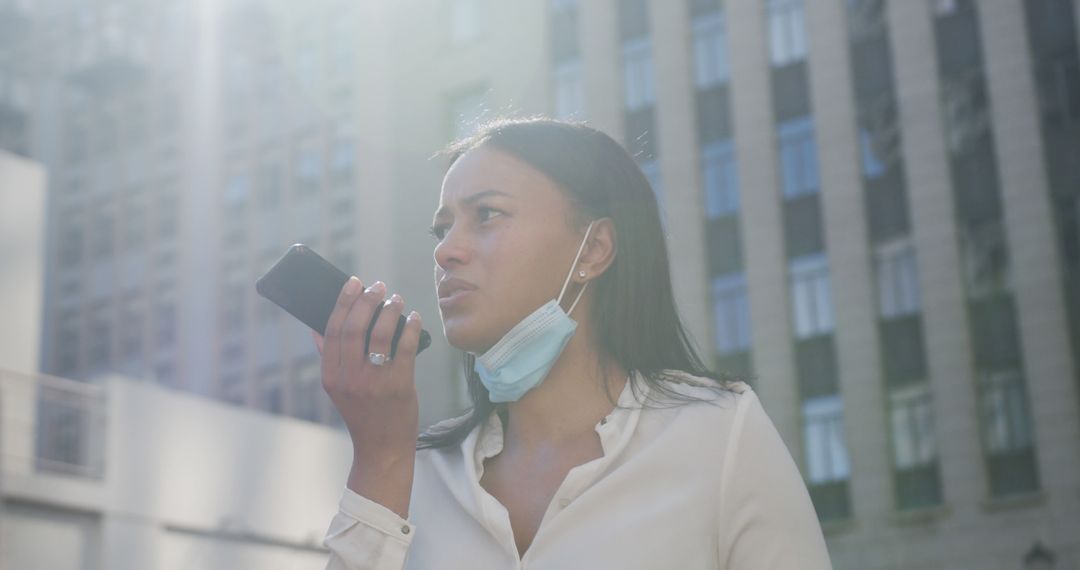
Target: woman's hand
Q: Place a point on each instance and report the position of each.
(377, 402)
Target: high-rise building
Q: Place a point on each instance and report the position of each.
(873, 209)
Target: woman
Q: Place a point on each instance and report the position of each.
(598, 441)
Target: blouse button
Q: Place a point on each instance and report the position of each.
(405, 529)
(603, 421)
(564, 503)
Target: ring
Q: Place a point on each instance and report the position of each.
(378, 359)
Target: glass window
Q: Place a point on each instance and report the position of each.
(269, 390)
(823, 438)
(569, 86)
(710, 50)
(638, 74)
(233, 389)
(308, 171)
(798, 157)
(305, 389)
(1003, 403)
(811, 296)
(720, 176)
(787, 31)
(731, 313)
(897, 279)
(912, 417)
(236, 191)
(165, 324)
(464, 21)
(986, 260)
(343, 160)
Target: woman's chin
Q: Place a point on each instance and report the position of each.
(464, 336)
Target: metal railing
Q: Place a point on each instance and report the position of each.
(51, 425)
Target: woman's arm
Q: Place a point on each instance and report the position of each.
(767, 518)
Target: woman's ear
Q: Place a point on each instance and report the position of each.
(599, 251)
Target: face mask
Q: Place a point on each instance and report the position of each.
(523, 357)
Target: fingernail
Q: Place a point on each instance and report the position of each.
(395, 298)
(352, 286)
(378, 287)
(413, 316)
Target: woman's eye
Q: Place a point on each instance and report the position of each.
(484, 211)
(437, 232)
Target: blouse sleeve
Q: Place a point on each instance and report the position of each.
(365, 535)
(767, 517)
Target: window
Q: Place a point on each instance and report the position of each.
(269, 190)
(343, 161)
(269, 390)
(569, 90)
(710, 50)
(638, 74)
(720, 176)
(811, 296)
(787, 31)
(897, 279)
(731, 313)
(233, 388)
(798, 157)
(305, 389)
(823, 437)
(464, 21)
(165, 324)
(308, 171)
(986, 260)
(912, 417)
(467, 109)
(966, 110)
(236, 192)
(1003, 402)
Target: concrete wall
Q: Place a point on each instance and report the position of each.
(22, 214)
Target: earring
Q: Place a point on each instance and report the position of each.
(581, 274)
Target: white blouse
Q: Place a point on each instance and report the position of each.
(705, 485)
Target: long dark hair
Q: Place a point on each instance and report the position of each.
(637, 323)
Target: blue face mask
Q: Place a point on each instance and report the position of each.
(522, 358)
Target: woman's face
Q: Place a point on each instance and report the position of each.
(503, 234)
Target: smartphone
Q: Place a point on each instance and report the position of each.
(308, 286)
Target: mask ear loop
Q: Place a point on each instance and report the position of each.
(571, 274)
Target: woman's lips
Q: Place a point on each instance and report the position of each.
(453, 298)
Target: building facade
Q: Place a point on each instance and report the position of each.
(872, 206)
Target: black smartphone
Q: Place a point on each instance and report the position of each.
(308, 286)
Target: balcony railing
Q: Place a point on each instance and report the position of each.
(51, 425)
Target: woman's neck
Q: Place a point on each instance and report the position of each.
(570, 401)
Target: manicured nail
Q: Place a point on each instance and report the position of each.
(352, 286)
(395, 298)
(378, 287)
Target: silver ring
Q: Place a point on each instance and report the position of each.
(378, 359)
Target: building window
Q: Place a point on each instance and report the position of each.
(798, 157)
(306, 385)
(236, 192)
(787, 31)
(269, 189)
(986, 261)
(465, 22)
(638, 84)
(343, 161)
(710, 50)
(308, 172)
(467, 109)
(731, 313)
(269, 390)
(823, 436)
(1003, 399)
(569, 89)
(912, 418)
(1007, 434)
(233, 389)
(811, 296)
(165, 324)
(897, 279)
(720, 175)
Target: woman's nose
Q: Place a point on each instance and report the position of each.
(451, 250)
